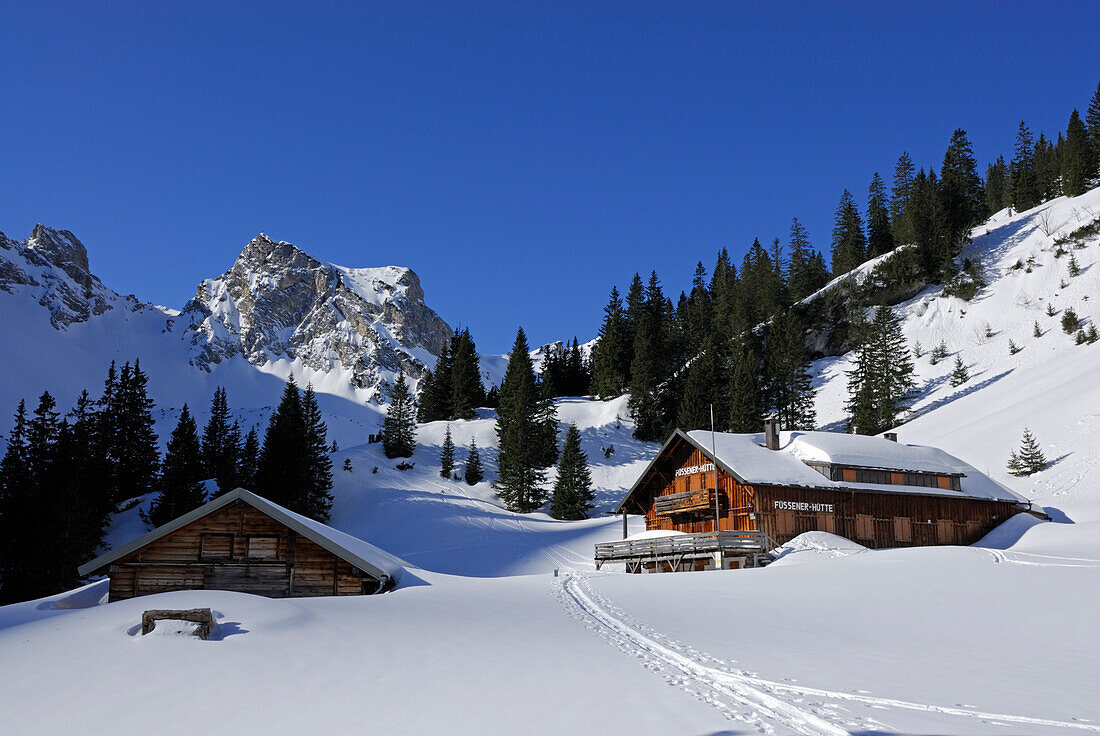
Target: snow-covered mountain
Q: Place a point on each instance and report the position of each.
(279, 303)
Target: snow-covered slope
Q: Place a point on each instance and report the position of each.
(1049, 385)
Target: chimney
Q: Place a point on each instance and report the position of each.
(892, 436)
(771, 433)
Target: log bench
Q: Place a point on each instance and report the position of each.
(202, 616)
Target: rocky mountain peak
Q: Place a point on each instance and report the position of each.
(61, 248)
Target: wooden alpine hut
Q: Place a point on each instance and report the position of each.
(725, 500)
(243, 542)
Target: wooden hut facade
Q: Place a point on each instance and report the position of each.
(740, 495)
(245, 543)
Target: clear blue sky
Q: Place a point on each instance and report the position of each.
(521, 157)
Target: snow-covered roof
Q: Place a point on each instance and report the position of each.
(746, 458)
(355, 551)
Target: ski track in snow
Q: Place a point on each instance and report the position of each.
(753, 700)
(1018, 558)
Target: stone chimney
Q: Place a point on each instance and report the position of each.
(771, 433)
(892, 436)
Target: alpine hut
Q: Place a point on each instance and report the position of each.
(727, 499)
(242, 542)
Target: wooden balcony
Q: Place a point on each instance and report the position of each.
(681, 546)
(679, 503)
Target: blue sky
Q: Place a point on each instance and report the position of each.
(521, 157)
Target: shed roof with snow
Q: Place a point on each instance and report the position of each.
(198, 539)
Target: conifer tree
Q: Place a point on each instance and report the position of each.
(959, 375)
(181, 486)
(806, 272)
(474, 471)
(573, 494)
(447, 455)
(880, 236)
(466, 389)
(900, 193)
(221, 444)
(133, 449)
(935, 249)
(436, 390)
(849, 242)
(788, 389)
(998, 187)
(18, 531)
(647, 400)
(1025, 193)
(881, 385)
(701, 390)
(1076, 158)
(1046, 169)
(399, 426)
(520, 434)
(318, 492)
(1029, 459)
(1092, 125)
(282, 474)
(746, 414)
(961, 194)
(249, 460)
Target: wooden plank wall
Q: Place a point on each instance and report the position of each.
(299, 567)
(872, 519)
(734, 505)
(882, 519)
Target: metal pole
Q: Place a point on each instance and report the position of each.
(717, 515)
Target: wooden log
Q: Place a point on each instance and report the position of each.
(204, 617)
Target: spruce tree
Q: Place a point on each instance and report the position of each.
(19, 528)
(1025, 193)
(436, 389)
(701, 390)
(521, 480)
(249, 460)
(318, 493)
(282, 474)
(447, 455)
(399, 426)
(880, 236)
(998, 187)
(849, 242)
(881, 385)
(647, 401)
(128, 425)
(1076, 158)
(1030, 459)
(806, 272)
(746, 414)
(467, 391)
(221, 444)
(959, 375)
(788, 387)
(1092, 125)
(181, 486)
(1046, 169)
(573, 495)
(961, 194)
(900, 193)
(474, 471)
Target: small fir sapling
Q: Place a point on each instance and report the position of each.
(1037, 331)
(347, 465)
(1090, 334)
(918, 350)
(1074, 267)
(1051, 311)
(447, 455)
(1029, 459)
(939, 353)
(988, 330)
(959, 375)
(474, 471)
(1070, 321)
(1013, 348)
(1080, 338)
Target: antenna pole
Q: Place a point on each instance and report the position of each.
(714, 458)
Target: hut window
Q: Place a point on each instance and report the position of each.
(865, 526)
(850, 475)
(943, 482)
(263, 547)
(903, 530)
(216, 546)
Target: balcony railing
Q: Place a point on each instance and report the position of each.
(678, 503)
(683, 545)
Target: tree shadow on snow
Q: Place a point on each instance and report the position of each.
(965, 390)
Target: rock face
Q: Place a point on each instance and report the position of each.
(52, 265)
(278, 302)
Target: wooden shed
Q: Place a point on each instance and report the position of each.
(739, 495)
(243, 542)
